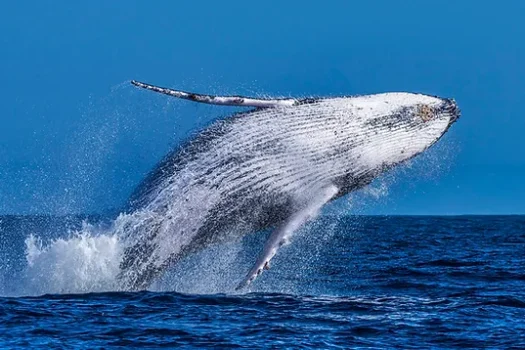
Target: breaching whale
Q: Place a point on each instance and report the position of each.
(273, 166)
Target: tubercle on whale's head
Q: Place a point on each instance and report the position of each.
(402, 125)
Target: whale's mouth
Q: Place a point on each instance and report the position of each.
(450, 109)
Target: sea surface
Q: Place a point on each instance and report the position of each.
(344, 282)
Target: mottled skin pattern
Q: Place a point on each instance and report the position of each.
(256, 169)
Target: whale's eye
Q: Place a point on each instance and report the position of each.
(425, 112)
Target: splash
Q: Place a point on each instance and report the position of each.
(87, 261)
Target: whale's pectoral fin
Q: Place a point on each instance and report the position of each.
(282, 234)
(240, 101)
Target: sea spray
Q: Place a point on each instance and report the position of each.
(87, 261)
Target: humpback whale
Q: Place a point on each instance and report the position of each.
(272, 166)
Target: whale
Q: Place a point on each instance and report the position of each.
(272, 166)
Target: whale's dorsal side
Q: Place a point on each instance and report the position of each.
(238, 101)
(281, 235)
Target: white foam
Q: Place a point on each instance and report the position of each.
(85, 262)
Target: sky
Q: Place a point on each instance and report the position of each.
(76, 137)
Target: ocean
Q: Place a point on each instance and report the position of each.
(411, 282)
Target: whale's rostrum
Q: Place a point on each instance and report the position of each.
(273, 166)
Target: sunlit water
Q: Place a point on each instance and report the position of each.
(407, 282)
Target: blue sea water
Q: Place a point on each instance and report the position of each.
(344, 282)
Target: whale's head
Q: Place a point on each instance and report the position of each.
(399, 126)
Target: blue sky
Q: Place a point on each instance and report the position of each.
(76, 138)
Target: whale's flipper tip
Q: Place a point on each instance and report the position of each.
(256, 272)
(240, 286)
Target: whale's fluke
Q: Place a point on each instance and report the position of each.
(282, 234)
(239, 101)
